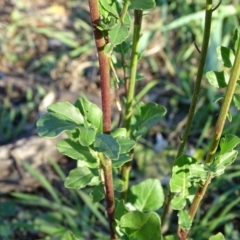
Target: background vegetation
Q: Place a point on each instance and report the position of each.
(47, 48)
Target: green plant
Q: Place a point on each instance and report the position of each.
(102, 153)
(13, 117)
(52, 214)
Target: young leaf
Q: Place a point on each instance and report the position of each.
(180, 181)
(120, 209)
(198, 172)
(226, 56)
(228, 143)
(87, 135)
(226, 156)
(119, 132)
(218, 79)
(123, 158)
(236, 101)
(146, 4)
(147, 195)
(141, 226)
(81, 177)
(91, 112)
(179, 201)
(107, 145)
(184, 219)
(126, 144)
(147, 115)
(110, 7)
(78, 152)
(120, 31)
(97, 193)
(118, 184)
(236, 38)
(218, 236)
(222, 161)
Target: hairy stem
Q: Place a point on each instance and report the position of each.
(216, 136)
(192, 109)
(131, 90)
(104, 65)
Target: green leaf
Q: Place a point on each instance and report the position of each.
(141, 226)
(236, 38)
(179, 201)
(66, 111)
(236, 101)
(218, 236)
(81, 177)
(198, 172)
(171, 237)
(226, 56)
(51, 126)
(97, 193)
(146, 4)
(126, 144)
(222, 161)
(120, 209)
(110, 6)
(218, 79)
(107, 145)
(118, 184)
(123, 158)
(226, 156)
(119, 132)
(120, 31)
(229, 116)
(78, 152)
(91, 113)
(62, 116)
(147, 195)
(184, 219)
(147, 115)
(87, 135)
(69, 236)
(180, 181)
(228, 143)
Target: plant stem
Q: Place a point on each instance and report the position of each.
(192, 109)
(133, 71)
(124, 10)
(130, 94)
(216, 135)
(225, 106)
(104, 65)
(182, 234)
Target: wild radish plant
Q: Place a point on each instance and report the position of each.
(104, 155)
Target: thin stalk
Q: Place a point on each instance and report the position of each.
(225, 107)
(192, 109)
(104, 65)
(124, 10)
(130, 94)
(133, 71)
(216, 136)
(124, 66)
